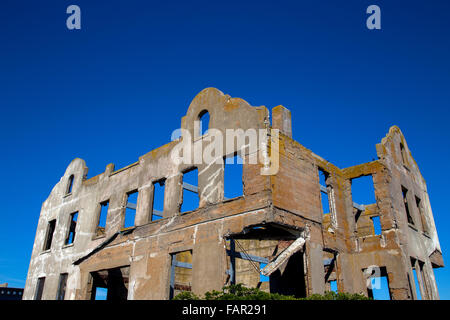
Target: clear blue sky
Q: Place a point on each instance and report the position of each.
(116, 89)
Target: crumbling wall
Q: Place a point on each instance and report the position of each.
(274, 210)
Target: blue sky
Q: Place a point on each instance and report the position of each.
(118, 87)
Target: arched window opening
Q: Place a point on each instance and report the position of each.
(203, 122)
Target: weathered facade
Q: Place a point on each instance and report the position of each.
(279, 220)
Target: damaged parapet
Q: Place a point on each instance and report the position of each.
(290, 224)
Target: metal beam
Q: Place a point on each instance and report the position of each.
(182, 264)
(157, 213)
(190, 187)
(131, 205)
(194, 189)
(247, 256)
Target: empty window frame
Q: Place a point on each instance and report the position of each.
(419, 279)
(101, 293)
(191, 198)
(422, 216)
(232, 177)
(333, 286)
(245, 264)
(357, 216)
(158, 200)
(39, 288)
(49, 236)
(363, 191)
(69, 185)
(378, 284)
(405, 202)
(410, 285)
(323, 176)
(130, 210)
(263, 278)
(417, 285)
(376, 225)
(246, 258)
(71, 230)
(180, 273)
(403, 154)
(380, 292)
(62, 286)
(330, 270)
(102, 216)
(109, 284)
(202, 124)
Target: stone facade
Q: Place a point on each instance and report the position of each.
(228, 240)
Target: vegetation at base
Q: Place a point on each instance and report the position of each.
(240, 292)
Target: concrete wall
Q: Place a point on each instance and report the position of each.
(290, 199)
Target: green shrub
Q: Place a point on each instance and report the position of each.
(186, 295)
(240, 292)
(330, 295)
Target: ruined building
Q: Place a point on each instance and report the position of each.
(295, 229)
